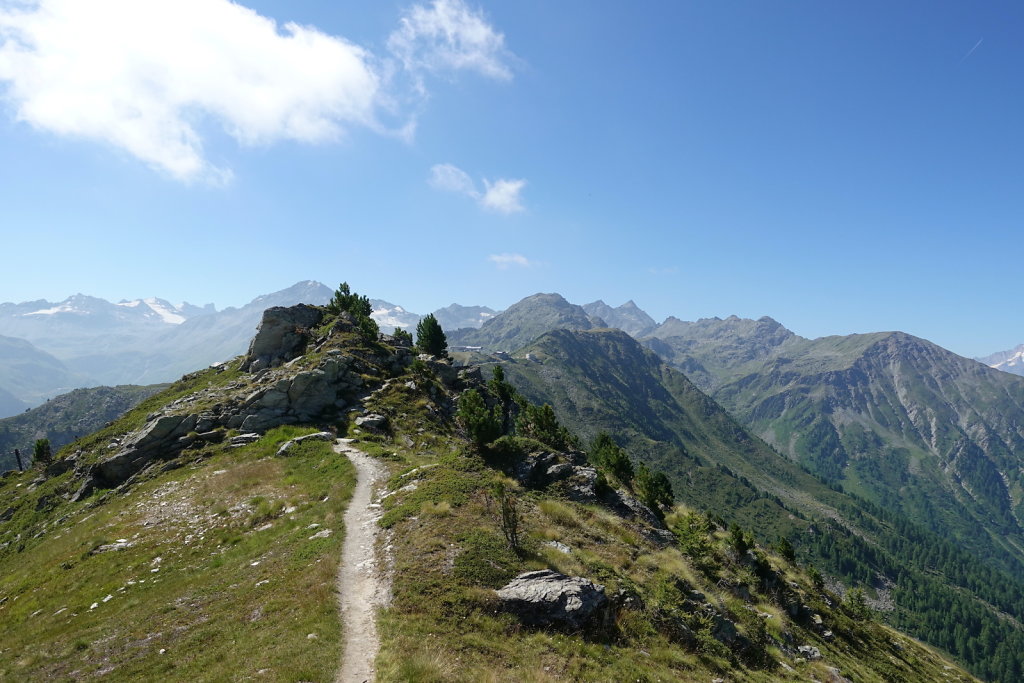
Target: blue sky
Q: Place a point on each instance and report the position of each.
(841, 167)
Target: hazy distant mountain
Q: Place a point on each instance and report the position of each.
(524, 321)
(628, 317)
(10, 404)
(65, 328)
(196, 343)
(28, 376)
(133, 342)
(86, 341)
(390, 316)
(1008, 361)
(456, 317)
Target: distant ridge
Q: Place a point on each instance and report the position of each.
(1011, 361)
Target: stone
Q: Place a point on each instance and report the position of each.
(282, 335)
(373, 422)
(318, 436)
(835, 676)
(559, 546)
(245, 439)
(810, 652)
(546, 597)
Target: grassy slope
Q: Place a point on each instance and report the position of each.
(217, 558)
(445, 625)
(600, 380)
(67, 417)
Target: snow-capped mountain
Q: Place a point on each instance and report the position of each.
(140, 341)
(145, 341)
(166, 311)
(1011, 361)
(390, 316)
(457, 317)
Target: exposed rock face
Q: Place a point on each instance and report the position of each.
(539, 470)
(545, 597)
(282, 335)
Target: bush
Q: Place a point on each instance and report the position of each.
(508, 515)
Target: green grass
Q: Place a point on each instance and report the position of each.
(219, 553)
(445, 622)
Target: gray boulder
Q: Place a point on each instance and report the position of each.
(810, 652)
(373, 422)
(318, 436)
(282, 335)
(545, 597)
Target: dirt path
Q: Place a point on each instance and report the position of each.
(362, 587)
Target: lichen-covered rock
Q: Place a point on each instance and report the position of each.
(546, 597)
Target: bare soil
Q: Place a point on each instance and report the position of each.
(363, 586)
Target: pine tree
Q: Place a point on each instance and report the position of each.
(430, 338)
(482, 425)
(41, 453)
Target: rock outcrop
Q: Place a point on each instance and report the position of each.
(545, 598)
(283, 386)
(283, 334)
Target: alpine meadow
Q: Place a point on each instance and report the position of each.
(457, 340)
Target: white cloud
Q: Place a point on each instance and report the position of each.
(506, 261)
(452, 179)
(151, 76)
(448, 35)
(142, 74)
(502, 195)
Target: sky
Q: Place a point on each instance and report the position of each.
(840, 167)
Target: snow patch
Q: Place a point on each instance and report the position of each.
(166, 312)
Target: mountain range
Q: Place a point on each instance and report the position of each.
(199, 535)
(1008, 361)
(49, 348)
(893, 418)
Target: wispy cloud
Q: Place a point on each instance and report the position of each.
(971, 51)
(452, 179)
(503, 195)
(152, 77)
(448, 35)
(506, 261)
